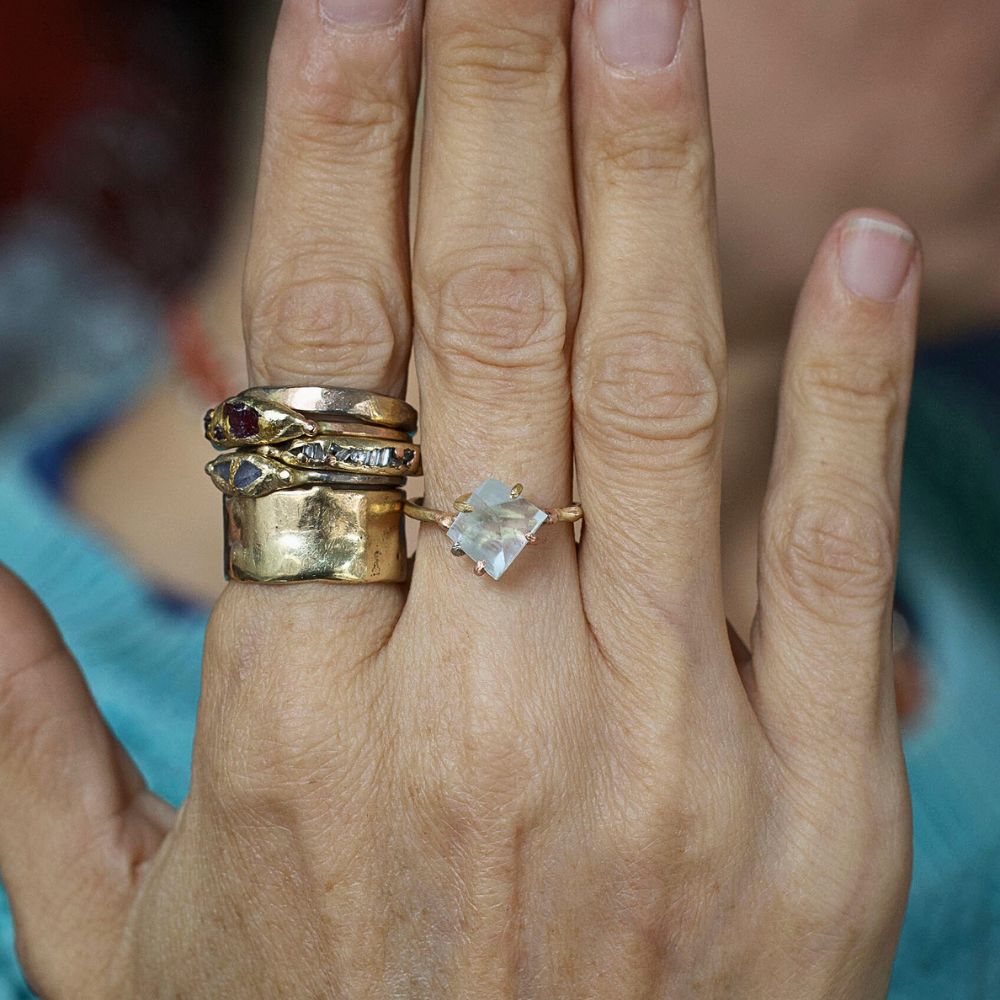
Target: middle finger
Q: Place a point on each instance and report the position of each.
(495, 262)
(650, 353)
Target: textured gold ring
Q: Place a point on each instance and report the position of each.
(493, 524)
(323, 534)
(368, 407)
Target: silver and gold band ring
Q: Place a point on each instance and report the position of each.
(368, 407)
(348, 453)
(354, 428)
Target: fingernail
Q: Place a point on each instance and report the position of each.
(638, 34)
(362, 13)
(875, 258)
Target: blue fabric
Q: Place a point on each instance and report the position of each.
(141, 655)
(949, 581)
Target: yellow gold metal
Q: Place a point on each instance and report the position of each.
(340, 536)
(251, 473)
(516, 490)
(348, 453)
(565, 515)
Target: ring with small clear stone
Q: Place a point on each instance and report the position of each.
(493, 524)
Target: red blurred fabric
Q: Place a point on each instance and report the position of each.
(46, 54)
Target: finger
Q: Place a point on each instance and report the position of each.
(326, 296)
(495, 272)
(822, 643)
(649, 358)
(77, 821)
(326, 293)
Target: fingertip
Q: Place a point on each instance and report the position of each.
(863, 285)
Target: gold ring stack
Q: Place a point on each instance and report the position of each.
(311, 481)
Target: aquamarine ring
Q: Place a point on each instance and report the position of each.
(493, 524)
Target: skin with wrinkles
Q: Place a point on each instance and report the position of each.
(565, 784)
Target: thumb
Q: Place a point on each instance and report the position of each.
(76, 821)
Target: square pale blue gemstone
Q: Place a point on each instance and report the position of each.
(496, 530)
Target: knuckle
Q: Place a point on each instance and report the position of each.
(850, 389)
(330, 127)
(863, 881)
(304, 325)
(676, 150)
(831, 548)
(505, 62)
(484, 318)
(640, 391)
(277, 776)
(498, 791)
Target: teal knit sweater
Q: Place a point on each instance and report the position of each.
(141, 653)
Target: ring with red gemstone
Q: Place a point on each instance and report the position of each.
(262, 417)
(493, 524)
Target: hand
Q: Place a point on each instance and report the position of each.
(564, 784)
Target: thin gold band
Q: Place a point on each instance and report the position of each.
(444, 518)
(493, 524)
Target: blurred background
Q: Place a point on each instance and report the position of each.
(127, 148)
(112, 131)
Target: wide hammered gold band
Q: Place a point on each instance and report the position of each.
(319, 533)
